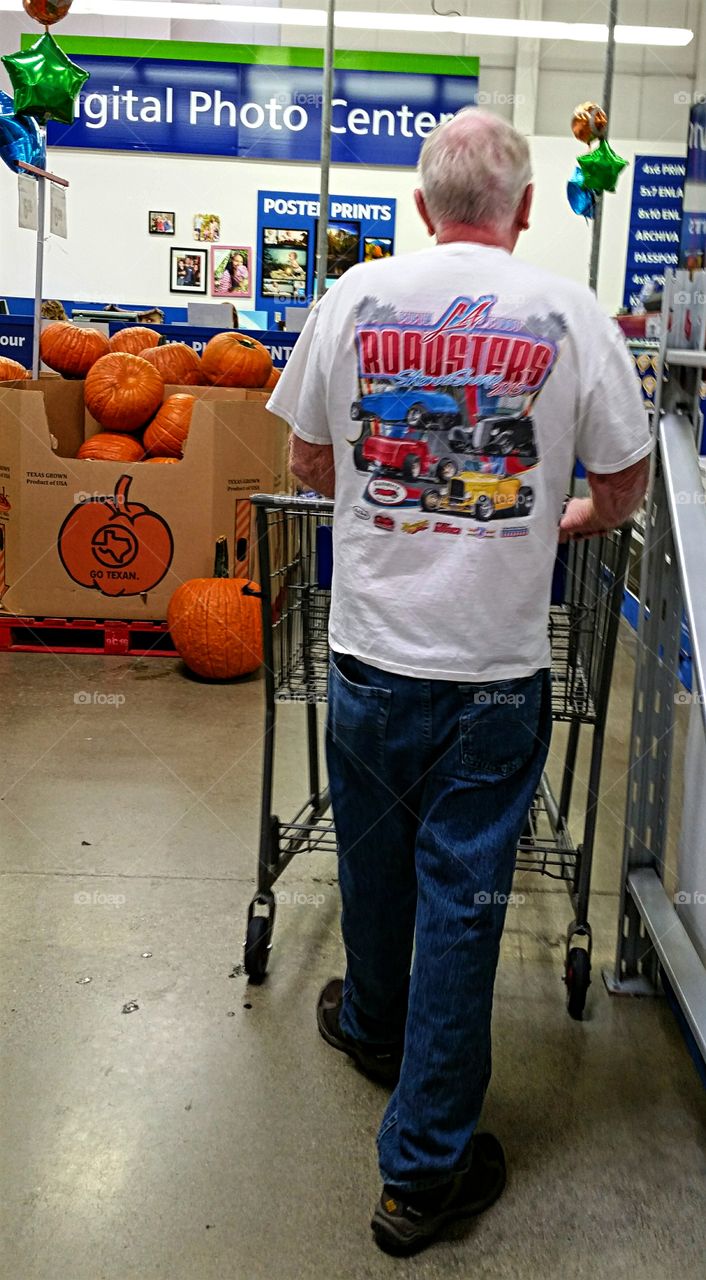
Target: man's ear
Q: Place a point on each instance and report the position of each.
(523, 209)
(424, 212)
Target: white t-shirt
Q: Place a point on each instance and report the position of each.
(457, 386)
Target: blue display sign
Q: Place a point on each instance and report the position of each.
(258, 112)
(693, 229)
(16, 338)
(16, 333)
(360, 229)
(655, 221)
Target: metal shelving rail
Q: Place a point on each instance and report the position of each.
(662, 933)
(295, 556)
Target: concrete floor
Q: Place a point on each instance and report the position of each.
(210, 1134)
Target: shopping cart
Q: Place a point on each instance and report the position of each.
(295, 555)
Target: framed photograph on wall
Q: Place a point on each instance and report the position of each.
(231, 271)
(207, 226)
(285, 262)
(160, 223)
(188, 270)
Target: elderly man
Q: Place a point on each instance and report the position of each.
(439, 693)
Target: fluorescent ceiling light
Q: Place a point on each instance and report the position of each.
(513, 28)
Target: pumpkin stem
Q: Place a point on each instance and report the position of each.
(121, 492)
(220, 564)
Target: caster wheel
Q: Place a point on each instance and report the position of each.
(257, 948)
(578, 980)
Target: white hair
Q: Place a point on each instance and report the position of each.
(474, 169)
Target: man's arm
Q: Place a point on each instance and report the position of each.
(614, 498)
(312, 464)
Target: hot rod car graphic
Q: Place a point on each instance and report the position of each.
(414, 408)
(482, 496)
(501, 435)
(409, 458)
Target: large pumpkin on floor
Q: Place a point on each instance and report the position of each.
(136, 339)
(235, 360)
(216, 623)
(71, 349)
(123, 391)
(165, 436)
(110, 446)
(177, 364)
(12, 370)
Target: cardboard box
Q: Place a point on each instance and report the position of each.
(84, 539)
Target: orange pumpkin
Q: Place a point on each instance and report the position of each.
(134, 339)
(162, 459)
(123, 391)
(177, 363)
(109, 446)
(273, 379)
(70, 349)
(165, 436)
(235, 360)
(12, 370)
(216, 623)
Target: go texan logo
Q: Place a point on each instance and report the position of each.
(467, 345)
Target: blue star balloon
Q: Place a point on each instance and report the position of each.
(20, 138)
(580, 198)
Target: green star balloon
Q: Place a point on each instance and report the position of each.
(601, 168)
(45, 81)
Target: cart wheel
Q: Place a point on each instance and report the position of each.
(578, 980)
(257, 948)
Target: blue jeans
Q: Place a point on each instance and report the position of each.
(431, 783)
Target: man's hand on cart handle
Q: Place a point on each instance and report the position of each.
(614, 498)
(313, 465)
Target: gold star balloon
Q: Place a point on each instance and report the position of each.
(601, 168)
(45, 81)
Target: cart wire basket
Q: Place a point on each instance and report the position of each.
(295, 548)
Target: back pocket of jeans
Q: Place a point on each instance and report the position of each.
(357, 713)
(498, 727)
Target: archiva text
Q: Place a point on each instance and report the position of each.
(100, 109)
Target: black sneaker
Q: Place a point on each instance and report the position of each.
(405, 1222)
(382, 1065)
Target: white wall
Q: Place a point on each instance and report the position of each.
(110, 257)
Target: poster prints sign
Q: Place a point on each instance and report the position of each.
(360, 228)
(655, 219)
(137, 100)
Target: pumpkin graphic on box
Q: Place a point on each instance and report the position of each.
(115, 546)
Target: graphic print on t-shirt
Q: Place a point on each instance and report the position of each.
(445, 408)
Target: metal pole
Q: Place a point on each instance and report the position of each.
(39, 274)
(327, 95)
(606, 103)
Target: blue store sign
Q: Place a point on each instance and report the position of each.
(360, 228)
(655, 221)
(693, 231)
(256, 111)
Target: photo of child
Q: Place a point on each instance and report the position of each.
(230, 271)
(284, 269)
(207, 226)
